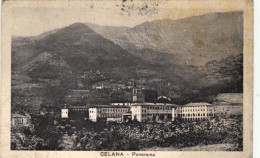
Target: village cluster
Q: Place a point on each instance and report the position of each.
(226, 104)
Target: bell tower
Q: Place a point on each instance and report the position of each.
(134, 92)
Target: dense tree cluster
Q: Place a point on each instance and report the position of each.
(138, 136)
(45, 134)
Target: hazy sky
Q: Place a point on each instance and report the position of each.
(29, 21)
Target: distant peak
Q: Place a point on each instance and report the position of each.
(88, 23)
(77, 27)
(77, 24)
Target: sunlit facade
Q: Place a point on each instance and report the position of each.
(194, 111)
(109, 113)
(146, 112)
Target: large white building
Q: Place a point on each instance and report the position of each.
(146, 112)
(194, 111)
(108, 112)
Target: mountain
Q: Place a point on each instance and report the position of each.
(46, 67)
(62, 59)
(199, 45)
(165, 56)
(193, 40)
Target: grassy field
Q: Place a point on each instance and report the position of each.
(214, 147)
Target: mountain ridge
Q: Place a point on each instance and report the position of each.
(76, 56)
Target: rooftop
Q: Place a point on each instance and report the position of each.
(76, 107)
(197, 104)
(108, 106)
(20, 115)
(152, 104)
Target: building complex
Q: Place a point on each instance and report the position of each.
(142, 112)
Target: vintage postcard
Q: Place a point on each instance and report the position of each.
(126, 78)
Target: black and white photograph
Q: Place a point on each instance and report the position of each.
(130, 76)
